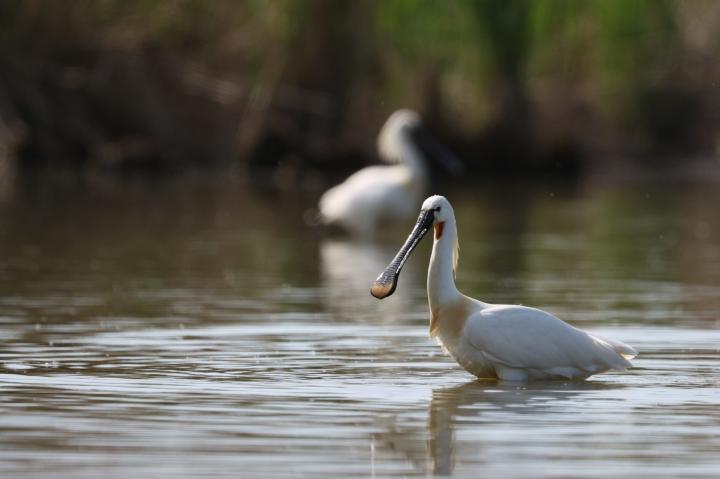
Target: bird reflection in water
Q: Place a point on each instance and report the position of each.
(478, 408)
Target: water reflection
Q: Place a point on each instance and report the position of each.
(348, 269)
(140, 341)
(457, 407)
(481, 414)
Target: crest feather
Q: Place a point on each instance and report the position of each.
(455, 257)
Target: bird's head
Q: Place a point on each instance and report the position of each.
(435, 211)
(401, 124)
(440, 207)
(403, 133)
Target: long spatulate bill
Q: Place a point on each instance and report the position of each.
(386, 283)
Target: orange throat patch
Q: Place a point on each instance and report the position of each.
(439, 229)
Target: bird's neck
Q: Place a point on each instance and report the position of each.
(414, 160)
(441, 273)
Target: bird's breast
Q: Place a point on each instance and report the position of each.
(447, 321)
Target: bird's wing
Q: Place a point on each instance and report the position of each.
(528, 338)
(365, 191)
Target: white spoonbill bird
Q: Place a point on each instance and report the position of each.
(383, 193)
(507, 342)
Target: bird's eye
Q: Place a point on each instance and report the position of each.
(437, 208)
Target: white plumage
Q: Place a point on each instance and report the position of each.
(509, 342)
(523, 343)
(377, 194)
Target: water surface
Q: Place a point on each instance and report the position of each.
(198, 331)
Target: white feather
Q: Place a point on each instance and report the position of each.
(369, 197)
(529, 339)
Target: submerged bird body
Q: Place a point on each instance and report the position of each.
(519, 343)
(507, 342)
(372, 196)
(382, 193)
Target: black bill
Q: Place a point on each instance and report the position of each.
(433, 149)
(386, 283)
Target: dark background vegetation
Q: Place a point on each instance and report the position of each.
(93, 88)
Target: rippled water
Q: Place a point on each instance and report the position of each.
(206, 331)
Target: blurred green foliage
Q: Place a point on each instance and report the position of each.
(479, 62)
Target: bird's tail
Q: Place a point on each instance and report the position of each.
(624, 350)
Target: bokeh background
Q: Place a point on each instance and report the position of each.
(166, 309)
(296, 91)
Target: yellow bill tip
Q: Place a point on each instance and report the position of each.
(380, 290)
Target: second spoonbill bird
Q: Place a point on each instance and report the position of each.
(507, 342)
(391, 192)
